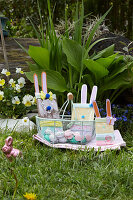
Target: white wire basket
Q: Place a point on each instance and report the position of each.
(65, 130)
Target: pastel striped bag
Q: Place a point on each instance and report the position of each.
(104, 127)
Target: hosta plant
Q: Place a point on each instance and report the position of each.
(61, 57)
(15, 102)
(68, 63)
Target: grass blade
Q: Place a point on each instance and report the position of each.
(66, 23)
(93, 44)
(95, 28)
(81, 24)
(42, 28)
(37, 33)
(24, 49)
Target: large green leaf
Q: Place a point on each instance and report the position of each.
(74, 53)
(87, 78)
(106, 62)
(105, 52)
(55, 80)
(34, 67)
(121, 69)
(40, 56)
(122, 80)
(98, 70)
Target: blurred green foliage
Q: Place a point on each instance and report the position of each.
(19, 12)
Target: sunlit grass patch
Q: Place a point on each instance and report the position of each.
(66, 174)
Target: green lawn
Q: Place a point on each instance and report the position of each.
(67, 174)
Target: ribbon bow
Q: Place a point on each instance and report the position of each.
(110, 120)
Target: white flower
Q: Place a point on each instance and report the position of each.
(21, 82)
(25, 120)
(19, 71)
(16, 100)
(27, 100)
(17, 88)
(12, 83)
(4, 71)
(1, 95)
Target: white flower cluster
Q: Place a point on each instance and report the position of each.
(7, 73)
(27, 100)
(20, 82)
(19, 85)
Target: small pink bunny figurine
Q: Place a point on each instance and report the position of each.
(8, 149)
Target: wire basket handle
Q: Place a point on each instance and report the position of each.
(69, 98)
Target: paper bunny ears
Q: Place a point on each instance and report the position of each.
(46, 102)
(43, 81)
(84, 94)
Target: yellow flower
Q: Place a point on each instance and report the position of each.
(2, 82)
(43, 95)
(1, 97)
(30, 196)
(50, 93)
(21, 72)
(13, 85)
(28, 104)
(8, 73)
(51, 98)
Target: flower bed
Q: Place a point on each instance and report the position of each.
(15, 101)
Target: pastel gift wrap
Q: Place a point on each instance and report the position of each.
(104, 132)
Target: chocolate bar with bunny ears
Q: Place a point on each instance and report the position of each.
(46, 102)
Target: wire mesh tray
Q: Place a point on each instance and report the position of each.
(65, 130)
